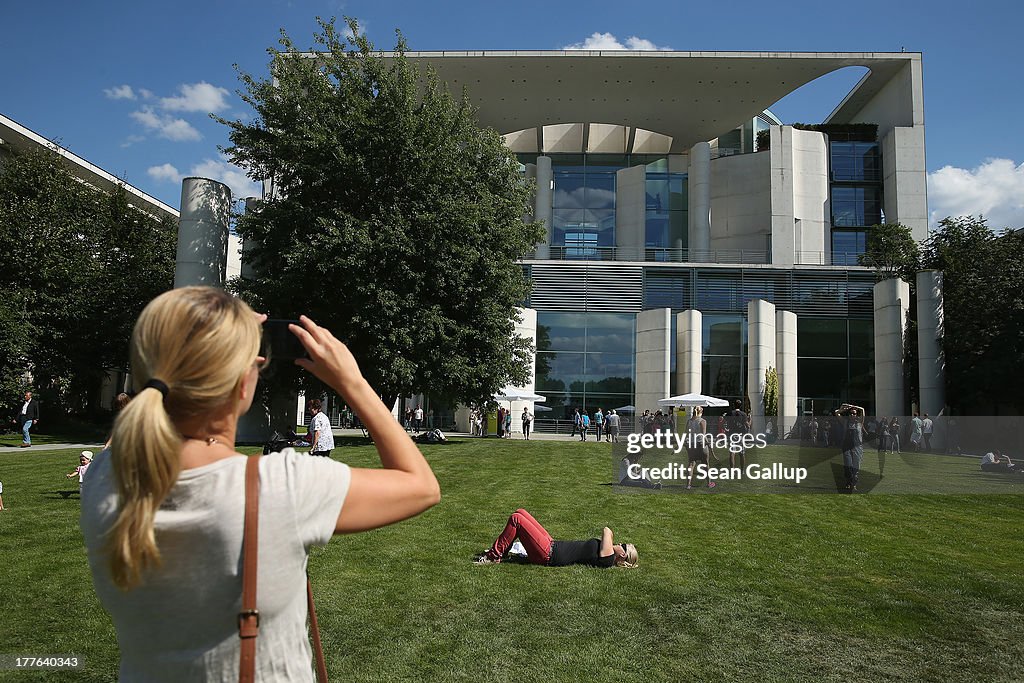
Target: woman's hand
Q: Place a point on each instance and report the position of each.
(329, 359)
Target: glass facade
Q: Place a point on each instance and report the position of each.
(585, 360)
(667, 203)
(723, 356)
(584, 198)
(835, 363)
(856, 197)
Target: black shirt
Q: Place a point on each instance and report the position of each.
(564, 553)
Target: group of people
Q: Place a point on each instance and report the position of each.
(605, 425)
(414, 419)
(657, 421)
(887, 433)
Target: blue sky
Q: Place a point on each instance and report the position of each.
(129, 85)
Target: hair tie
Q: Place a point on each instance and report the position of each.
(158, 385)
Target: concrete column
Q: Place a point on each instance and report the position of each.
(786, 367)
(699, 186)
(930, 358)
(526, 327)
(689, 339)
(542, 201)
(760, 352)
(892, 302)
(202, 233)
(631, 213)
(653, 358)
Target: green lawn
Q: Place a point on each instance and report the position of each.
(731, 587)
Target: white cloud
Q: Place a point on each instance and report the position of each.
(131, 140)
(201, 97)
(994, 189)
(120, 92)
(229, 174)
(608, 41)
(145, 94)
(168, 127)
(164, 172)
(214, 169)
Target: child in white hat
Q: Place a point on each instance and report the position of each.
(84, 460)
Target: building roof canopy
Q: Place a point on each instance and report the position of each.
(687, 96)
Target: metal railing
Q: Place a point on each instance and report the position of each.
(657, 254)
(556, 426)
(661, 255)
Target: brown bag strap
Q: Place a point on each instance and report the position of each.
(249, 617)
(314, 627)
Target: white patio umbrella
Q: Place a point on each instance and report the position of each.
(541, 409)
(690, 400)
(514, 394)
(626, 409)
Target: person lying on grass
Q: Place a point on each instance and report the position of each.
(542, 549)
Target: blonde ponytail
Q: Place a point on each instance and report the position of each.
(145, 447)
(199, 342)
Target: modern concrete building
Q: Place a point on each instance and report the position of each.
(693, 242)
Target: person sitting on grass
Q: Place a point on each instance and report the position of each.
(542, 549)
(84, 460)
(999, 463)
(641, 481)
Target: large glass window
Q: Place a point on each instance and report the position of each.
(856, 206)
(847, 246)
(585, 360)
(852, 161)
(583, 203)
(666, 217)
(723, 339)
(835, 362)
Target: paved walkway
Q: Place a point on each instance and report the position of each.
(94, 447)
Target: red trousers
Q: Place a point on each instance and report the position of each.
(530, 533)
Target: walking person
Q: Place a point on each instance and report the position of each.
(28, 418)
(584, 425)
(417, 419)
(894, 435)
(508, 423)
(163, 514)
(612, 421)
(699, 447)
(598, 423)
(321, 439)
(916, 432)
(927, 428)
(576, 422)
(527, 423)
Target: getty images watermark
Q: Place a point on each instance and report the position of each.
(823, 454)
(699, 449)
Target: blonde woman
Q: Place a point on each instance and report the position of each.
(699, 444)
(541, 548)
(163, 513)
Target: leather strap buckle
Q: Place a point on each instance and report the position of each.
(247, 629)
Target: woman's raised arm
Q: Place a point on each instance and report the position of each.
(406, 485)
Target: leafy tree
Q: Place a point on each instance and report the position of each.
(771, 392)
(80, 264)
(396, 221)
(892, 252)
(983, 277)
